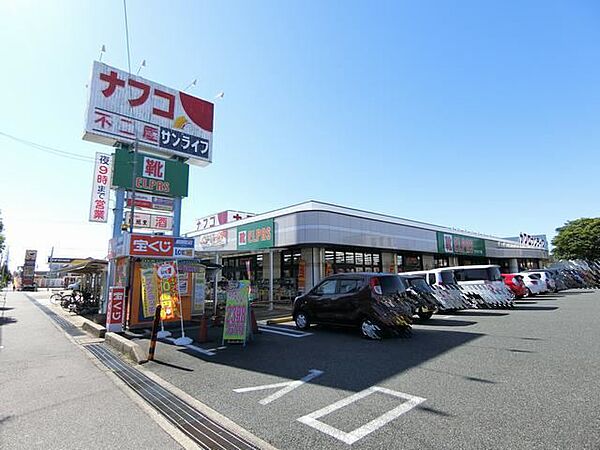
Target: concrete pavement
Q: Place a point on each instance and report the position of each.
(53, 396)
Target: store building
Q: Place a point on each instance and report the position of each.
(292, 248)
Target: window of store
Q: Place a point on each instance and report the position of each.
(343, 260)
(236, 268)
(409, 262)
(441, 261)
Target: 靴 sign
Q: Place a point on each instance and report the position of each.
(153, 175)
(127, 108)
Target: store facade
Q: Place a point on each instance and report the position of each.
(294, 247)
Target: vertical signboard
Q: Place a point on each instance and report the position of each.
(149, 291)
(168, 289)
(28, 277)
(235, 327)
(100, 188)
(199, 298)
(115, 308)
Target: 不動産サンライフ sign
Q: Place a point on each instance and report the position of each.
(154, 175)
(460, 245)
(255, 235)
(127, 108)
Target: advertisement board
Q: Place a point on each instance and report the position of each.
(199, 297)
(152, 174)
(256, 235)
(460, 245)
(168, 289)
(115, 309)
(126, 108)
(214, 220)
(100, 188)
(235, 327)
(183, 248)
(150, 221)
(149, 291)
(210, 241)
(28, 275)
(148, 201)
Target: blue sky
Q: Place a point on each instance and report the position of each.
(479, 115)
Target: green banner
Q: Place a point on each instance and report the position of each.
(235, 327)
(456, 244)
(256, 235)
(155, 175)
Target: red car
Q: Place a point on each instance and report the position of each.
(515, 282)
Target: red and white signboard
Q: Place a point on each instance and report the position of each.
(101, 188)
(115, 309)
(221, 218)
(150, 201)
(154, 246)
(126, 108)
(151, 221)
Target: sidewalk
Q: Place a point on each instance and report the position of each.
(54, 396)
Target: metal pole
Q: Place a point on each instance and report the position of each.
(177, 216)
(215, 286)
(118, 212)
(270, 280)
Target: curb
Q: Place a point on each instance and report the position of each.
(93, 328)
(280, 320)
(126, 347)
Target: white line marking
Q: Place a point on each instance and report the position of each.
(190, 347)
(361, 432)
(283, 332)
(288, 386)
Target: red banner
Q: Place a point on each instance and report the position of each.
(115, 309)
(144, 245)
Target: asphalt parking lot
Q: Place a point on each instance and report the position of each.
(520, 378)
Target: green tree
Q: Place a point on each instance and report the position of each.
(578, 239)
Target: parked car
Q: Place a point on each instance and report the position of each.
(376, 303)
(546, 278)
(515, 283)
(418, 287)
(533, 284)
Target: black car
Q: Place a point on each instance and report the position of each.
(377, 303)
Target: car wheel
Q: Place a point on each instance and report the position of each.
(425, 315)
(302, 321)
(527, 293)
(369, 330)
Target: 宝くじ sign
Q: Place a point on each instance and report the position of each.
(127, 108)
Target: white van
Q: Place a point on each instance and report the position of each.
(435, 277)
(482, 274)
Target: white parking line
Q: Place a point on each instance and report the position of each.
(359, 433)
(288, 386)
(283, 331)
(191, 347)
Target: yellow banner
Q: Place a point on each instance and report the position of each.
(168, 289)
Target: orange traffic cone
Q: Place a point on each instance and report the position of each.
(203, 333)
(254, 324)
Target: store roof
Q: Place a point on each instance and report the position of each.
(83, 266)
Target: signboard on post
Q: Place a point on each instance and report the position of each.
(115, 309)
(256, 235)
(150, 221)
(100, 188)
(153, 175)
(235, 327)
(126, 108)
(460, 245)
(149, 291)
(150, 201)
(28, 277)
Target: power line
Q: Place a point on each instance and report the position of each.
(51, 150)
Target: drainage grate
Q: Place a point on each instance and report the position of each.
(69, 328)
(201, 429)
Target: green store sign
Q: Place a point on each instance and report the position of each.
(154, 175)
(449, 243)
(256, 235)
